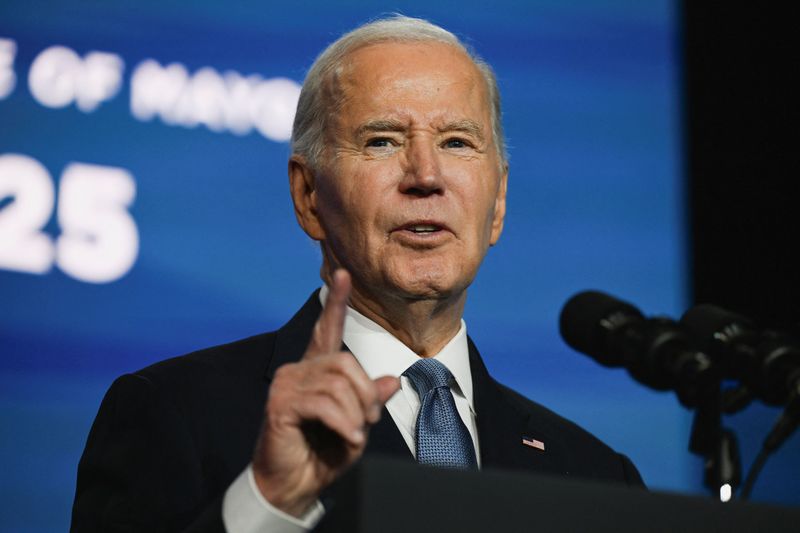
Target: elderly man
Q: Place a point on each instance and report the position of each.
(399, 171)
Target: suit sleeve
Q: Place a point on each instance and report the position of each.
(140, 470)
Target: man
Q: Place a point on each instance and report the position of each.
(399, 171)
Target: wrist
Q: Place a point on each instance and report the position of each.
(278, 491)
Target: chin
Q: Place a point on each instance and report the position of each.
(428, 282)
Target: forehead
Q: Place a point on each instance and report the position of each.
(417, 80)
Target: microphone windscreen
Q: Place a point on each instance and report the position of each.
(588, 319)
(706, 322)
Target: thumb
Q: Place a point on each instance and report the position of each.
(387, 386)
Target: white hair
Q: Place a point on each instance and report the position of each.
(317, 99)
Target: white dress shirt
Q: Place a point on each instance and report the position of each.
(245, 510)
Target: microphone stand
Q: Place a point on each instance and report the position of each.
(716, 444)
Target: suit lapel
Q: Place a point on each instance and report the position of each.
(502, 425)
(292, 339)
(385, 439)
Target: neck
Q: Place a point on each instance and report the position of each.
(423, 323)
(425, 326)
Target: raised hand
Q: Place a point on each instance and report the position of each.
(318, 413)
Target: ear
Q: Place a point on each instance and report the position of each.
(499, 207)
(302, 185)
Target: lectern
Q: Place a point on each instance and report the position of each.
(385, 496)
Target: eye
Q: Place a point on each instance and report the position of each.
(379, 142)
(456, 143)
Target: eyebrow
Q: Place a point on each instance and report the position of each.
(467, 126)
(375, 126)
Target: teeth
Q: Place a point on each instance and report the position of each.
(423, 228)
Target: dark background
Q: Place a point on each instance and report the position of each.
(742, 161)
(742, 156)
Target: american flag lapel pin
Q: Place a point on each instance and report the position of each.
(533, 443)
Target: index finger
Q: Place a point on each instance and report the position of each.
(327, 335)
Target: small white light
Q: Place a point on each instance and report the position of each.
(725, 493)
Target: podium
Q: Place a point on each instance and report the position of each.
(386, 495)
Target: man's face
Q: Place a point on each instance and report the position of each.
(411, 192)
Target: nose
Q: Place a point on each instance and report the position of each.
(422, 173)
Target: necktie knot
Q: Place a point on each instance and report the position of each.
(428, 374)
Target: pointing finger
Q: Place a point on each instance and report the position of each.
(327, 336)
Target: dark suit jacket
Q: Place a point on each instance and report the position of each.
(168, 440)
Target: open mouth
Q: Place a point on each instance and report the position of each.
(424, 233)
(422, 229)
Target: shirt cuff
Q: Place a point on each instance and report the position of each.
(245, 510)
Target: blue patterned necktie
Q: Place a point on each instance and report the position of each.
(442, 438)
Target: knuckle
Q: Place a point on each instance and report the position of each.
(285, 372)
(344, 361)
(323, 409)
(338, 385)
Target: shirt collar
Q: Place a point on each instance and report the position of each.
(381, 354)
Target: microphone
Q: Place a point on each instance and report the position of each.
(655, 351)
(767, 362)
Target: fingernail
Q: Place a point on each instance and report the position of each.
(358, 436)
(376, 413)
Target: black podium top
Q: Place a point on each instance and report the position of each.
(384, 495)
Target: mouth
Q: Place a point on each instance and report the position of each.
(422, 228)
(423, 234)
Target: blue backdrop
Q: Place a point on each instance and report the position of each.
(144, 207)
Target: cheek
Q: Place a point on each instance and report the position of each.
(478, 205)
(349, 221)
